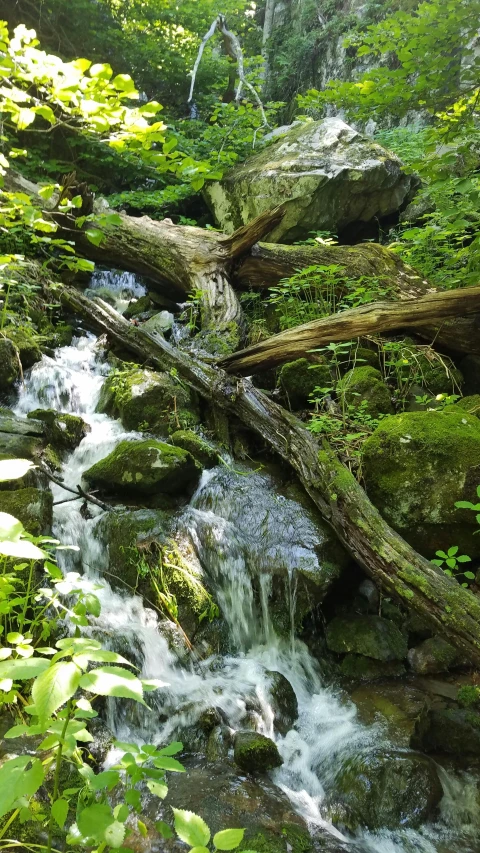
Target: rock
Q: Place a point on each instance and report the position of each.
(298, 380)
(365, 383)
(371, 636)
(10, 367)
(284, 702)
(403, 709)
(138, 307)
(145, 468)
(126, 534)
(327, 174)
(470, 367)
(64, 431)
(160, 323)
(20, 446)
(384, 789)
(416, 465)
(203, 452)
(369, 592)
(33, 507)
(25, 342)
(431, 656)
(148, 401)
(470, 404)
(452, 731)
(361, 669)
(255, 753)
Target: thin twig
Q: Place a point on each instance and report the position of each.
(79, 492)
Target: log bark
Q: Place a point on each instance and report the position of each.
(369, 319)
(385, 556)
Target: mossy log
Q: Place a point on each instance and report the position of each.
(385, 556)
(355, 323)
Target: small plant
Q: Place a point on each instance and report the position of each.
(453, 561)
(468, 696)
(473, 507)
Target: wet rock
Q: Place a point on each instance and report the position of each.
(65, 432)
(10, 368)
(218, 743)
(431, 656)
(203, 452)
(362, 669)
(298, 380)
(365, 384)
(138, 307)
(127, 535)
(145, 468)
(20, 446)
(369, 592)
(149, 401)
(403, 709)
(25, 343)
(284, 702)
(381, 788)
(452, 731)
(33, 507)
(160, 323)
(326, 173)
(371, 636)
(416, 465)
(255, 753)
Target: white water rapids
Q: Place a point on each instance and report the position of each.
(327, 728)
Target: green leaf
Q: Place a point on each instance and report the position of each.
(199, 850)
(23, 549)
(113, 681)
(469, 575)
(163, 829)
(12, 469)
(10, 527)
(25, 118)
(451, 563)
(165, 763)
(92, 603)
(463, 558)
(142, 828)
(54, 687)
(108, 779)
(198, 183)
(228, 839)
(94, 821)
(191, 828)
(94, 235)
(171, 749)
(19, 777)
(464, 505)
(101, 71)
(452, 551)
(115, 834)
(60, 812)
(22, 669)
(160, 789)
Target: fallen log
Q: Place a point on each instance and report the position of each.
(354, 323)
(385, 556)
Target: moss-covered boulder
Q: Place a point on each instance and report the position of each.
(148, 401)
(144, 468)
(380, 788)
(63, 431)
(298, 380)
(128, 535)
(26, 343)
(137, 307)
(403, 710)
(371, 636)
(33, 507)
(283, 701)
(360, 669)
(416, 466)
(365, 384)
(160, 323)
(203, 452)
(470, 404)
(453, 731)
(10, 368)
(255, 753)
(432, 656)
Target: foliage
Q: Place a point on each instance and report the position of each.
(454, 561)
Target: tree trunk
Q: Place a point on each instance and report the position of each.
(354, 323)
(386, 557)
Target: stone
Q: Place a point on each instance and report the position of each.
(327, 175)
(452, 731)
(283, 701)
(10, 368)
(33, 507)
(64, 431)
(371, 636)
(138, 307)
(203, 452)
(432, 656)
(145, 400)
(369, 592)
(402, 708)
(416, 465)
(145, 468)
(126, 534)
(298, 380)
(365, 384)
(20, 446)
(361, 669)
(255, 753)
(470, 404)
(25, 342)
(160, 323)
(380, 789)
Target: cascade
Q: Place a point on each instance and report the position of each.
(235, 521)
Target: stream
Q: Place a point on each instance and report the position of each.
(220, 524)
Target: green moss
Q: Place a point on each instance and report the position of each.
(255, 753)
(149, 401)
(206, 455)
(219, 342)
(139, 306)
(470, 404)
(9, 365)
(298, 380)
(65, 432)
(288, 838)
(365, 383)
(33, 507)
(364, 669)
(25, 341)
(468, 696)
(370, 636)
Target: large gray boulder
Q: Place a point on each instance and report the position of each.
(328, 174)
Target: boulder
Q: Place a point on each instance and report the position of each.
(203, 452)
(33, 507)
(126, 535)
(149, 401)
(65, 432)
(452, 731)
(325, 173)
(26, 344)
(384, 789)
(365, 383)
(255, 753)
(160, 323)
(298, 380)
(10, 368)
(402, 708)
(283, 701)
(361, 669)
(432, 656)
(470, 404)
(137, 307)
(371, 636)
(144, 468)
(416, 465)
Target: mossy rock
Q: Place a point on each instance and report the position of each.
(416, 465)
(145, 468)
(452, 731)
(25, 341)
(403, 710)
(384, 789)
(365, 384)
(127, 535)
(255, 753)
(363, 357)
(432, 656)
(470, 404)
(138, 306)
(371, 636)
(33, 507)
(182, 577)
(63, 431)
(206, 455)
(20, 446)
(283, 701)
(149, 401)
(298, 380)
(361, 669)
(218, 343)
(435, 378)
(10, 370)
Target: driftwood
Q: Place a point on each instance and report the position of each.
(386, 557)
(353, 323)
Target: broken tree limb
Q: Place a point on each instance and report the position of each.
(386, 557)
(354, 323)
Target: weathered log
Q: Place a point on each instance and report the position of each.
(385, 556)
(354, 323)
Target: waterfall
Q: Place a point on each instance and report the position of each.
(236, 522)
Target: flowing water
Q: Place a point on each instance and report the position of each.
(234, 520)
